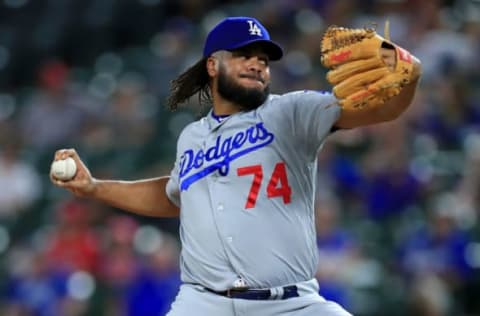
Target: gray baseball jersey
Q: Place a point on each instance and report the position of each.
(246, 186)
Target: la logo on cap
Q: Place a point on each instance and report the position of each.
(254, 29)
(236, 32)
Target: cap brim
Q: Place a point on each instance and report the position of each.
(272, 49)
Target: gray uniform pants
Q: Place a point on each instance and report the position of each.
(195, 300)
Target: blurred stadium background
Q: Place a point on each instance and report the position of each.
(398, 203)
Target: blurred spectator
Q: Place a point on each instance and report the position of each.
(390, 187)
(33, 288)
(436, 254)
(19, 182)
(119, 262)
(130, 115)
(468, 190)
(157, 281)
(54, 115)
(337, 251)
(73, 245)
(449, 112)
(436, 41)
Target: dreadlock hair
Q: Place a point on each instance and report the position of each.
(194, 80)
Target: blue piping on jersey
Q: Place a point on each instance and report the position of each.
(222, 150)
(219, 118)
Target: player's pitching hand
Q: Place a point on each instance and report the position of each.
(82, 184)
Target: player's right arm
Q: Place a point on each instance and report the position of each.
(145, 197)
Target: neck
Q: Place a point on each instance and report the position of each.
(224, 107)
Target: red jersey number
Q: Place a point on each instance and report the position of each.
(277, 185)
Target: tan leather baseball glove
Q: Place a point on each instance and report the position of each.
(358, 72)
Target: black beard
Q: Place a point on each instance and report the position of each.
(246, 98)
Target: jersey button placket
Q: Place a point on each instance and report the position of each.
(215, 188)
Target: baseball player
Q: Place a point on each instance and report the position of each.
(243, 182)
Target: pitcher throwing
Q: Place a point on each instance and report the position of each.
(243, 182)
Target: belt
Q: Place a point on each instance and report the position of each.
(281, 293)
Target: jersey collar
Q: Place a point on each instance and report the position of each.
(214, 121)
(219, 118)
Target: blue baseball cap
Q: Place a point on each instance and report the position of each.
(236, 32)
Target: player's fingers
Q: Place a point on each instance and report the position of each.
(388, 56)
(72, 185)
(59, 183)
(71, 152)
(64, 153)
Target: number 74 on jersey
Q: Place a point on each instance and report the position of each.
(277, 185)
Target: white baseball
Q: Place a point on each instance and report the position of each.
(64, 169)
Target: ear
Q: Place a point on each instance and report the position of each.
(212, 66)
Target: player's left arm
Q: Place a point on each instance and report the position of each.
(388, 111)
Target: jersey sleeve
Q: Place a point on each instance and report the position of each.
(312, 117)
(173, 185)
(172, 191)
